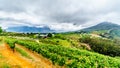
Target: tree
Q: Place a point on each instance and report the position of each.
(49, 35)
(1, 30)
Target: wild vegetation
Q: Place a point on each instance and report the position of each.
(0, 29)
(101, 45)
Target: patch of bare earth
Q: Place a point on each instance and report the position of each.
(37, 60)
(16, 60)
(13, 59)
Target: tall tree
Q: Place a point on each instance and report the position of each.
(49, 35)
(1, 30)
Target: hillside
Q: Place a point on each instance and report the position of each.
(63, 50)
(103, 26)
(106, 29)
(67, 56)
(21, 58)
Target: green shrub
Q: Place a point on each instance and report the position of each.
(100, 45)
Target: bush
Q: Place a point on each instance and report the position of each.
(49, 35)
(100, 45)
(1, 30)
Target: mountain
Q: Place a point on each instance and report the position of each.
(103, 26)
(106, 29)
(25, 29)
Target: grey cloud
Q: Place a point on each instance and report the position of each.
(78, 12)
(64, 18)
(17, 22)
(10, 6)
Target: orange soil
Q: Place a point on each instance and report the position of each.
(38, 60)
(13, 58)
(16, 60)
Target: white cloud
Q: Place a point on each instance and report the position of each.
(65, 27)
(19, 16)
(58, 14)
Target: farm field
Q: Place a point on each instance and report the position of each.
(60, 51)
(21, 59)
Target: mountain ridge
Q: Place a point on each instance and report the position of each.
(25, 29)
(105, 29)
(103, 26)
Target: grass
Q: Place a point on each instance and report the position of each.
(1, 41)
(23, 53)
(118, 57)
(62, 42)
(56, 42)
(3, 63)
(1, 56)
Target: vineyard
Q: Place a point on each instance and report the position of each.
(66, 56)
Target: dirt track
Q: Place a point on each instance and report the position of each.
(17, 61)
(13, 58)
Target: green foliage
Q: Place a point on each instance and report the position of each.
(115, 33)
(50, 35)
(70, 57)
(85, 38)
(11, 43)
(1, 30)
(55, 41)
(4, 65)
(60, 36)
(1, 55)
(23, 53)
(103, 46)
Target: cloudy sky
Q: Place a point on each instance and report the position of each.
(66, 15)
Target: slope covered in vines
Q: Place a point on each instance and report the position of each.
(68, 57)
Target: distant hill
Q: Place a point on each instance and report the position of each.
(103, 26)
(26, 29)
(110, 29)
